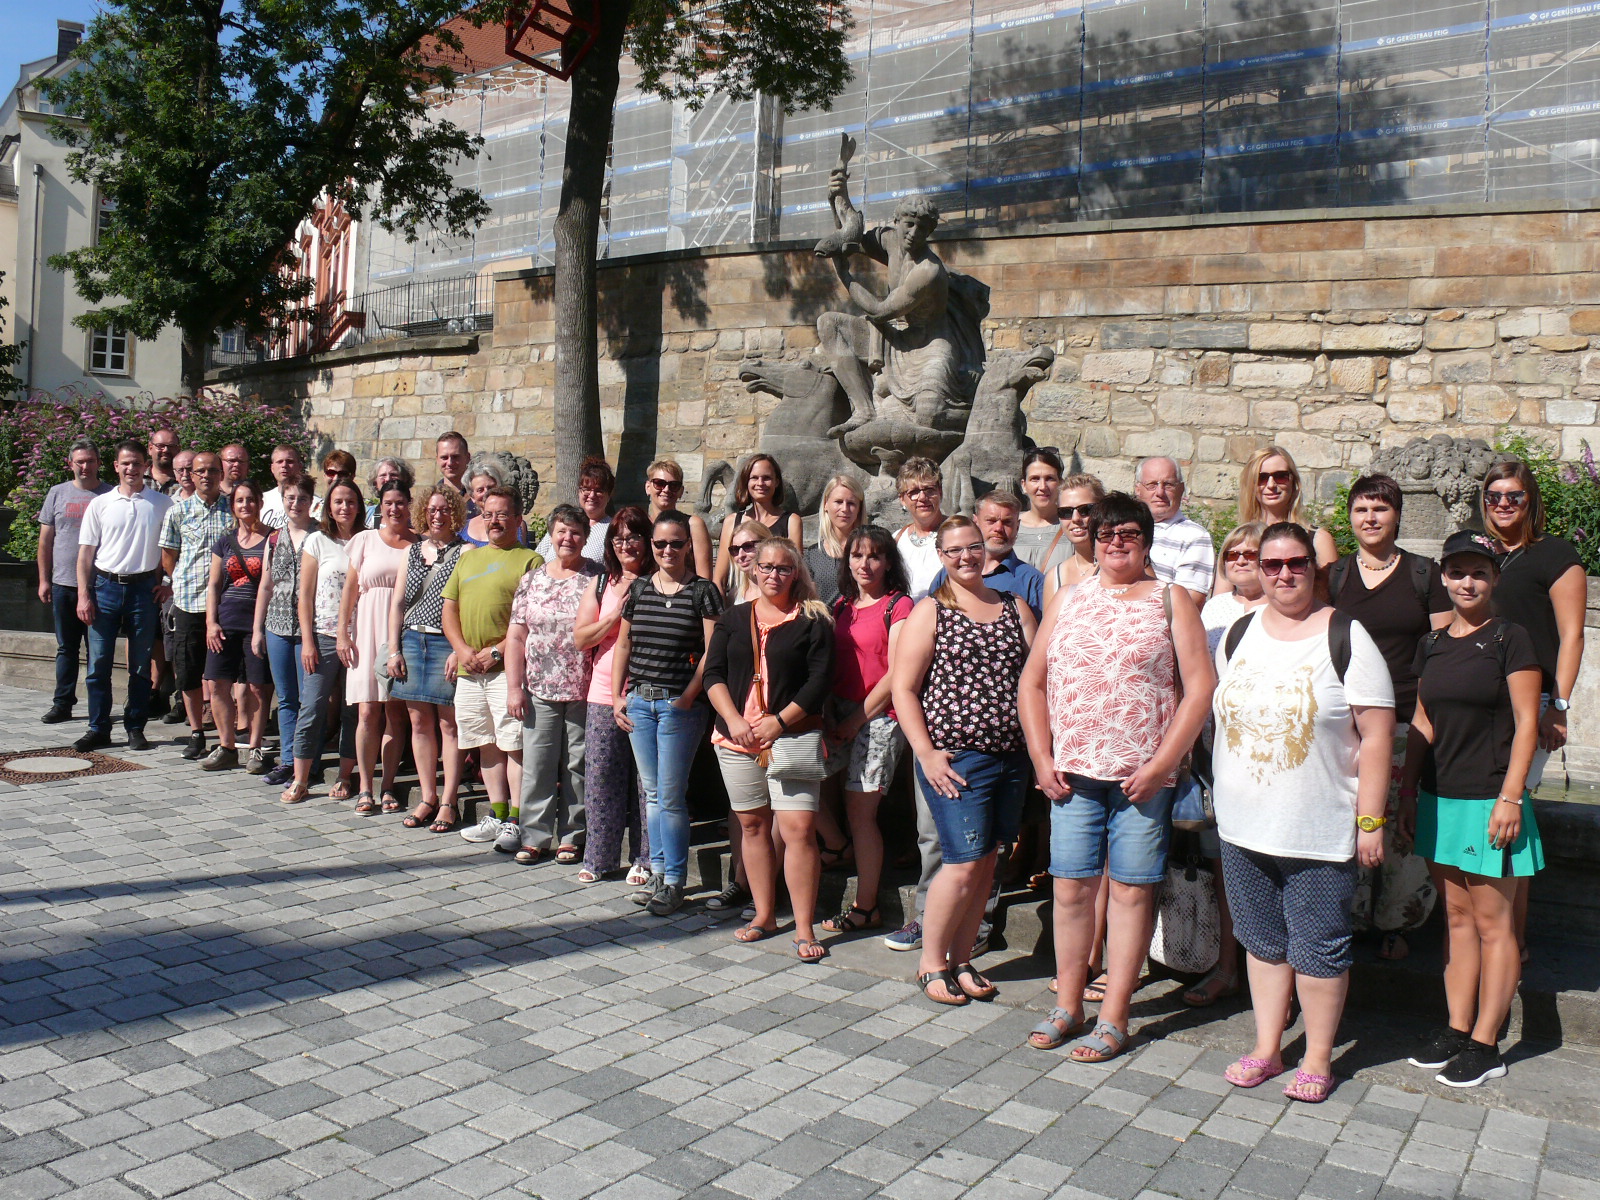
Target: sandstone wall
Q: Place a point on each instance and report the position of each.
(1331, 333)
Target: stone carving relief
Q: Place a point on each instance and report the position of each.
(518, 471)
(1440, 478)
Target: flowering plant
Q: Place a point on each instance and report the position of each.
(1571, 495)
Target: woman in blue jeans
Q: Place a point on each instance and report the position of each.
(1107, 730)
(662, 638)
(277, 631)
(956, 669)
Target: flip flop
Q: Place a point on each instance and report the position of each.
(340, 790)
(1264, 1068)
(1309, 1088)
(1052, 1035)
(1103, 1044)
(295, 793)
(982, 988)
(802, 946)
(754, 933)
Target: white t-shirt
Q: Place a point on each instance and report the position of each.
(1218, 616)
(1286, 743)
(126, 530)
(333, 564)
(273, 515)
(920, 552)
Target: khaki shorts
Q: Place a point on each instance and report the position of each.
(481, 717)
(749, 786)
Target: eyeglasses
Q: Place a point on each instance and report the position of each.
(975, 550)
(592, 491)
(1298, 565)
(182, 470)
(1239, 556)
(1281, 478)
(1080, 511)
(1161, 485)
(664, 485)
(668, 544)
(744, 547)
(1505, 499)
(629, 539)
(918, 493)
(777, 570)
(1106, 536)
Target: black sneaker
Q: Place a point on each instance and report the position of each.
(57, 714)
(1442, 1045)
(647, 893)
(137, 740)
(195, 748)
(730, 897)
(1473, 1066)
(174, 715)
(670, 899)
(93, 740)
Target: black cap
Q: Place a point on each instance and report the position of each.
(1472, 541)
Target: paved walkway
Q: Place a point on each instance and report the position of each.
(205, 995)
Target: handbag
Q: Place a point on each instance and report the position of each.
(797, 755)
(1188, 934)
(1192, 810)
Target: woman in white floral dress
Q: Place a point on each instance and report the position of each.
(547, 685)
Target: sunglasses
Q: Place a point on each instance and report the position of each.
(1281, 478)
(665, 485)
(1239, 556)
(1298, 565)
(668, 544)
(744, 547)
(1505, 499)
(1079, 511)
(1106, 536)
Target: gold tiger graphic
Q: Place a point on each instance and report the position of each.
(1269, 718)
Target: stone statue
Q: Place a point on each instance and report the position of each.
(518, 472)
(990, 456)
(1440, 478)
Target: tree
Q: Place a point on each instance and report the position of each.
(213, 126)
(9, 356)
(791, 50)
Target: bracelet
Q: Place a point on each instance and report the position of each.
(1517, 800)
(782, 724)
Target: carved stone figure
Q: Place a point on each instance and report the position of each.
(991, 455)
(1440, 478)
(518, 471)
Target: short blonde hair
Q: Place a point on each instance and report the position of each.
(669, 465)
(1250, 531)
(737, 579)
(917, 472)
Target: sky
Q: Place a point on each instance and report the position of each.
(28, 30)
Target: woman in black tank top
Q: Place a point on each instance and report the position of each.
(757, 496)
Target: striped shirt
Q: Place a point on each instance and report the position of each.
(1182, 553)
(666, 637)
(191, 528)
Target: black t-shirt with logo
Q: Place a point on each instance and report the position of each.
(1462, 685)
(1523, 596)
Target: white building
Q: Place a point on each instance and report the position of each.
(44, 211)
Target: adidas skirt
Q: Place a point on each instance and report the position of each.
(1455, 833)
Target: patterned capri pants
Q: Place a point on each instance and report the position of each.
(1293, 910)
(612, 796)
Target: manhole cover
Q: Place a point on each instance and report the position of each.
(52, 764)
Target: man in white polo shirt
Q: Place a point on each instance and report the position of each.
(119, 573)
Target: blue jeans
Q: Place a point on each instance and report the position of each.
(119, 608)
(315, 689)
(1098, 827)
(283, 655)
(70, 633)
(665, 740)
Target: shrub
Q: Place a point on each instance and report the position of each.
(36, 434)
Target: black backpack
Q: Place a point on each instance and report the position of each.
(1338, 638)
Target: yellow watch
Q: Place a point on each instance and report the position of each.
(1371, 824)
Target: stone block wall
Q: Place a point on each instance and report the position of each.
(1332, 333)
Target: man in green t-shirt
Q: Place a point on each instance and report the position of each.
(477, 613)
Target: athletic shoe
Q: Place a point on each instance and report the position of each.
(195, 747)
(93, 740)
(486, 830)
(667, 901)
(907, 937)
(280, 775)
(732, 896)
(509, 840)
(176, 715)
(137, 740)
(981, 945)
(223, 758)
(57, 714)
(1473, 1066)
(1442, 1045)
(648, 892)
(257, 763)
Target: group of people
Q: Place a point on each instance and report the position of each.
(1366, 727)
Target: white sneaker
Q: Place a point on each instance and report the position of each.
(510, 839)
(486, 830)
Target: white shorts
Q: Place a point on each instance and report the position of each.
(481, 717)
(750, 787)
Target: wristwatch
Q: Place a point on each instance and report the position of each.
(499, 659)
(1371, 824)
(1560, 705)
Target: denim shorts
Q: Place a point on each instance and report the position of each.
(1098, 826)
(988, 809)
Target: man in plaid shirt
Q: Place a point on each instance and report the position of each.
(192, 528)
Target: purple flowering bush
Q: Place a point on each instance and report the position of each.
(36, 434)
(1571, 494)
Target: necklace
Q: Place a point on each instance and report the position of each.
(1383, 566)
(666, 596)
(1118, 591)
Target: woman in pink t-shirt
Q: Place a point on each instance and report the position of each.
(873, 602)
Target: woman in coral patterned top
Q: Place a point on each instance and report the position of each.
(1106, 730)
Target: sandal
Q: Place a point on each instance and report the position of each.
(1308, 1088)
(340, 789)
(1259, 1071)
(803, 948)
(440, 825)
(567, 855)
(1040, 881)
(391, 804)
(423, 814)
(834, 860)
(953, 996)
(527, 856)
(754, 933)
(1047, 1035)
(1102, 1045)
(982, 989)
(638, 875)
(586, 875)
(848, 922)
(1094, 993)
(295, 793)
(1206, 993)
(366, 806)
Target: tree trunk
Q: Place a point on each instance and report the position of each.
(193, 369)
(583, 173)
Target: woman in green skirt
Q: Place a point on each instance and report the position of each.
(1471, 744)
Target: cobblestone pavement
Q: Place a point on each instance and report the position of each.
(205, 995)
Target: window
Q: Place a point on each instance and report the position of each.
(105, 213)
(110, 351)
(231, 341)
